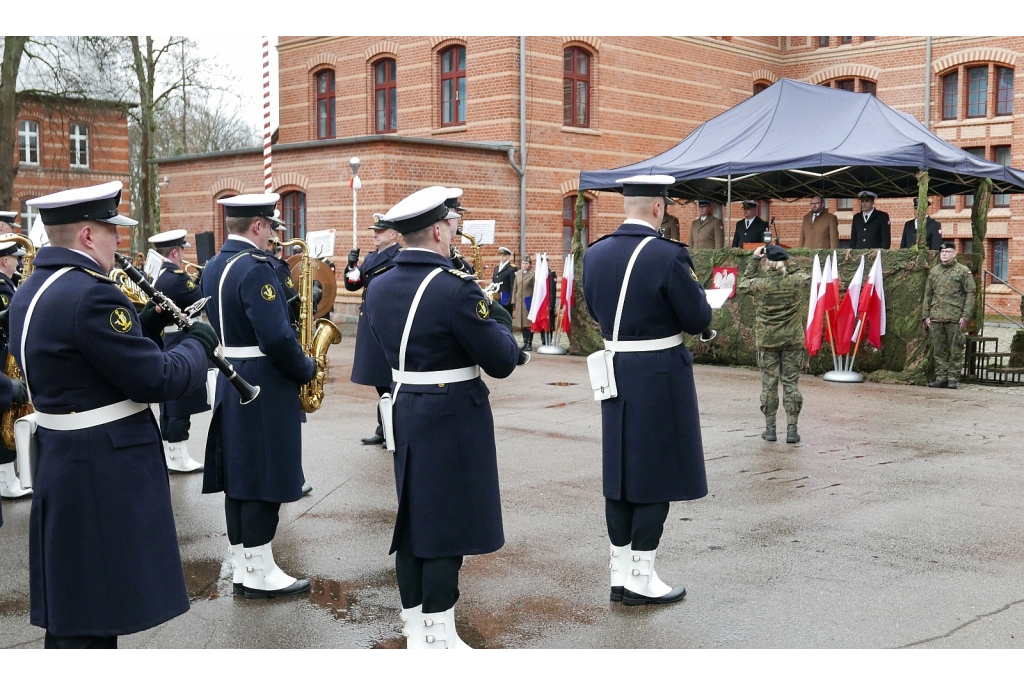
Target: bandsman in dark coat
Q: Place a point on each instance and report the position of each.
(369, 366)
(254, 451)
(10, 484)
(446, 470)
(933, 241)
(103, 553)
(505, 275)
(176, 417)
(706, 231)
(871, 228)
(651, 431)
(751, 228)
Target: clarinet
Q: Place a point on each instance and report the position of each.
(247, 393)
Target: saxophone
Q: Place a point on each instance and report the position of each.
(478, 264)
(315, 343)
(11, 370)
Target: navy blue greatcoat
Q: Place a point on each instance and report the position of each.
(446, 469)
(6, 293)
(369, 366)
(183, 291)
(284, 277)
(103, 553)
(6, 396)
(651, 431)
(254, 451)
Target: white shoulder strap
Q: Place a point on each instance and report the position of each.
(220, 294)
(412, 315)
(28, 319)
(625, 285)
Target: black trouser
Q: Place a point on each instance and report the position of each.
(381, 389)
(250, 522)
(639, 525)
(52, 641)
(175, 428)
(434, 583)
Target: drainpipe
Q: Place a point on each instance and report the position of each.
(522, 148)
(928, 82)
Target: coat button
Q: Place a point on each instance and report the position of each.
(440, 385)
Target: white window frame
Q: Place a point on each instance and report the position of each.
(29, 136)
(28, 217)
(79, 133)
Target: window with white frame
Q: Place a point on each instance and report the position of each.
(28, 142)
(79, 146)
(28, 216)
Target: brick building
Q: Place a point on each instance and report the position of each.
(65, 143)
(445, 110)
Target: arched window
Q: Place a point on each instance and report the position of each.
(576, 88)
(569, 221)
(1004, 91)
(385, 96)
(760, 87)
(453, 86)
(223, 210)
(293, 211)
(977, 81)
(950, 91)
(324, 103)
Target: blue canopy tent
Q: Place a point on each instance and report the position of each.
(794, 140)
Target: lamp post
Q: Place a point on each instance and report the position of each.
(356, 185)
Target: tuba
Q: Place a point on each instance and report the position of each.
(11, 370)
(314, 342)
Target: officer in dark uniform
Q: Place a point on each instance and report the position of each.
(505, 275)
(871, 228)
(254, 451)
(651, 431)
(445, 458)
(751, 228)
(103, 553)
(10, 485)
(459, 260)
(176, 417)
(369, 366)
(933, 241)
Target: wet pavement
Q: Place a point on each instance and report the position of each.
(896, 522)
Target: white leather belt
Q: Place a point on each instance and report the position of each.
(644, 345)
(91, 418)
(173, 328)
(243, 352)
(430, 377)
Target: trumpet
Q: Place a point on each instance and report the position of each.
(196, 270)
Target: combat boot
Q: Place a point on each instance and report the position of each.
(792, 437)
(938, 384)
(619, 566)
(10, 484)
(769, 433)
(643, 586)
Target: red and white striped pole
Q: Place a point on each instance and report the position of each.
(268, 166)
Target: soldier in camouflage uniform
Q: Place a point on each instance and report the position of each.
(778, 290)
(948, 305)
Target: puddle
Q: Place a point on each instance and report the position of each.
(13, 606)
(562, 384)
(202, 577)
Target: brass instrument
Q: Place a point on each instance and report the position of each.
(129, 288)
(478, 264)
(314, 342)
(11, 370)
(197, 270)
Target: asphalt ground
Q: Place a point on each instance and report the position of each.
(896, 522)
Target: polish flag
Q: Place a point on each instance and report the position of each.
(831, 281)
(817, 315)
(846, 320)
(568, 267)
(539, 318)
(812, 306)
(871, 308)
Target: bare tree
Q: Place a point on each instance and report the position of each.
(14, 49)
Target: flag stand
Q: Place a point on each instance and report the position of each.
(840, 373)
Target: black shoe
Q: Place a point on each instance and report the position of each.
(528, 347)
(237, 589)
(938, 384)
(373, 440)
(306, 488)
(951, 385)
(633, 599)
(769, 434)
(296, 588)
(792, 437)
(616, 593)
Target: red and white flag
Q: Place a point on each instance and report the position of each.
(539, 318)
(846, 319)
(832, 299)
(871, 308)
(809, 329)
(817, 315)
(568, 267)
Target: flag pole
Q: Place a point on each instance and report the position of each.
(860, 336)
(831, 342)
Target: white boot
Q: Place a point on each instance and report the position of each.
(10, 484)
(643, 586)
(167, 455)
(619, 566)
(412, 628)
(264, 579)
(238, 562)
(438, 631)
(178, 459)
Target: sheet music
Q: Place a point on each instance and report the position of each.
(321, 243)
(481, 229)
(153, 263)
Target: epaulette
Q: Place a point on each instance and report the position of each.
(178, 271)
(97, 274)
(462, 274)
(258, 256)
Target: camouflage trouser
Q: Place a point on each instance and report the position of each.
(948, 346)
(785, 366)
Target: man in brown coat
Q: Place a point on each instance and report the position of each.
(820, 229)
(670, 227)
(522, 294)
(707, 229)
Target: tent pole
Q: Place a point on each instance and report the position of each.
(728, 203)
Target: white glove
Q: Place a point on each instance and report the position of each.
(353, 276)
